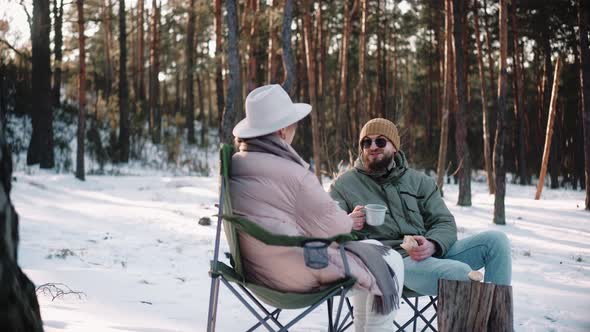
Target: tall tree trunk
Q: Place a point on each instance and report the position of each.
(447, 95)
(140, 54)
(548, 83)
(491, 65)
(499, 167)
(155, 116)
(123, 87)
(362, 82)
(583, 21)
(19, 307)
(463, 155)
(271, 66)
(342, 105)
(550, 124)
(108, 30)
(209, 99)
(81, 93)
(40, 149)
(234, 91)
(202, 119)
(288, 58)
(381, 59)
(484, 105)
(219, 61)
(310, 57)
(252, 48)
(58, 14)
(190, 59)
(519, 111)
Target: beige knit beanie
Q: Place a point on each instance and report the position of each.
(380, 126)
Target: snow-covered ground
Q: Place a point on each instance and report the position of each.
(133, 246)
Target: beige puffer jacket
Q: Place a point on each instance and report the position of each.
(286, 198)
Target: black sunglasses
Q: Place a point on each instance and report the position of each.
(381, 142)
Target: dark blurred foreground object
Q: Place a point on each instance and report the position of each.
(19, 309)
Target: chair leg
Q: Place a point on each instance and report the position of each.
(415, 320)
(345, 324)
(248, 306)
(418, 314)
(213, 297)
(330, 323)
(261, 307)
(270, 316)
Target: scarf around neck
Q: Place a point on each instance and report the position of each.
(271, 144)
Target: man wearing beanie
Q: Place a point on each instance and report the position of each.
(415, 208)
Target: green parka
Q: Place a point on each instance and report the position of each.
(413, 201)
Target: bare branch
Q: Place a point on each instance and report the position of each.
(25, 56)
(58, 290)
(29, 20)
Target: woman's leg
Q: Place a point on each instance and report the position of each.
(365, 320)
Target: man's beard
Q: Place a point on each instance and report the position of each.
(378, 166)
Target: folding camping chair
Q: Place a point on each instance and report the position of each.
(233, 276)
(419, 311)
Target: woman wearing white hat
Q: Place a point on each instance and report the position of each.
(273, 186)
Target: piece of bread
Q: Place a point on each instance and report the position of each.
(475, 276)
(409, 242)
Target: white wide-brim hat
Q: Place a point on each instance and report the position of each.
(268, 109)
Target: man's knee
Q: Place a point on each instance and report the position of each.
(453, 270)
(498, 240)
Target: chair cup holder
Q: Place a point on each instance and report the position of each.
(315, 253)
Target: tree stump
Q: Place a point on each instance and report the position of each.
(474, 306)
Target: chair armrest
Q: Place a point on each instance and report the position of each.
(249, 227)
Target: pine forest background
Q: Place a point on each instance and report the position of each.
(472, 84)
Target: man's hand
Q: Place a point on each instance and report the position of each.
(358, 217)
(424, 249)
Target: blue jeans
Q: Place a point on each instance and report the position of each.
(489, 249)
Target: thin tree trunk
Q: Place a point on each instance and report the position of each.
(342, 106)
(463, 155)
(155, 116)
(108, 70)
(447, 92)
(190, 59)
(123, 87)
(550, 123)
(140, 54)
(58, 13)
(204, 127)
(310, 54)
(491, 65)
(252, 48)
(519, 111)
(40, 150)
(209, 99)
(484, 105)
(234, 92)
(548, 83)
(178, 106)
(499, 167)
(81, 93)
(271, 67)
(219, 61)
(362, 82)
(583, 19)
(288, 58)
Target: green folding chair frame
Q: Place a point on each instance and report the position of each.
(419, 311)
(263, 297)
